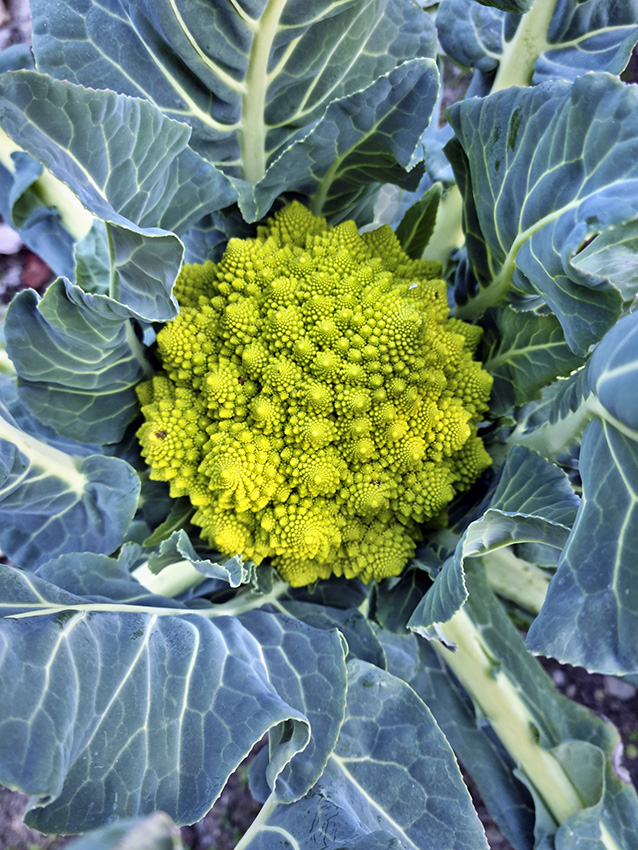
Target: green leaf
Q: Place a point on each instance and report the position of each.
(613, 255)
(396, 599)
(272, 68)
(543, 170)
(125, 160)
(178, 548)
(524, 352)
(127, 708)
(613, 375)
(417, 225)
(371, 136)
(392, 775)
(180, 513)
(533, 502)
(590, 615)
(591, 35)
(355, 628)
(483, 758)
(130, 166)
(57, 495)
(84, 359)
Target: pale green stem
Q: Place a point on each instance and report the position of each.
(246, 601)
(553, 438)
(173, 580)
(520, 54)
(516, 67)
(53, 461)
(6, 365)
(253, 125)
(52, 192)
(448, 229)
(516, 579)
(499, 699)
(260, 825)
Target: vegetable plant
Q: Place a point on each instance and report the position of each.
(329, 422)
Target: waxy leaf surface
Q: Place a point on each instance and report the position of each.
(541, 171)
(127, 708)
(57, 495)
(533, 501)
(391, 782)
(593, 35)
(84, 359)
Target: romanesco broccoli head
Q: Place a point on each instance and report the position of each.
(317, 404)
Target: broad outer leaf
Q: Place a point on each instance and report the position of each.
(590, 615)
(81, 365)
(116, 153)
(126, 709)
(247, 76)
(57, 495)
(129, 165)
(541, 171)
(371, 136)
(392, 775)
(491, 769)
(613, 255)
(590, 35)
(581, 742)
(533, 502)
(524, 352)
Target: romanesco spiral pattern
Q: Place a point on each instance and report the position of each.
(317, 404)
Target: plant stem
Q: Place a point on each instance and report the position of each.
(254, 129)
(515, 579)
(52, 192)
(500, 701)
(448, 229)
(520, 54)
(45, 457)
(173, 580)
(260, 825)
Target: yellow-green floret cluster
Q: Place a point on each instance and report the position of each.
(317, 403)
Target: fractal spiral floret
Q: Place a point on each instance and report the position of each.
(317, 403)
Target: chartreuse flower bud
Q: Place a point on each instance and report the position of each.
(317, 403)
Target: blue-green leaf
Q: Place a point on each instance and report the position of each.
(590, 35)
(56, 495)
(82, 363)
(371, 136)
(271, 68)
(392, 775)
(116, 153)
(129, 165)
(543, 170)
(533, 502)
(127, 708)
(485, 760)
(524, 352)
(417, 225)
(613, 375)
(250, 79)
(590, 616)
(613, 255)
